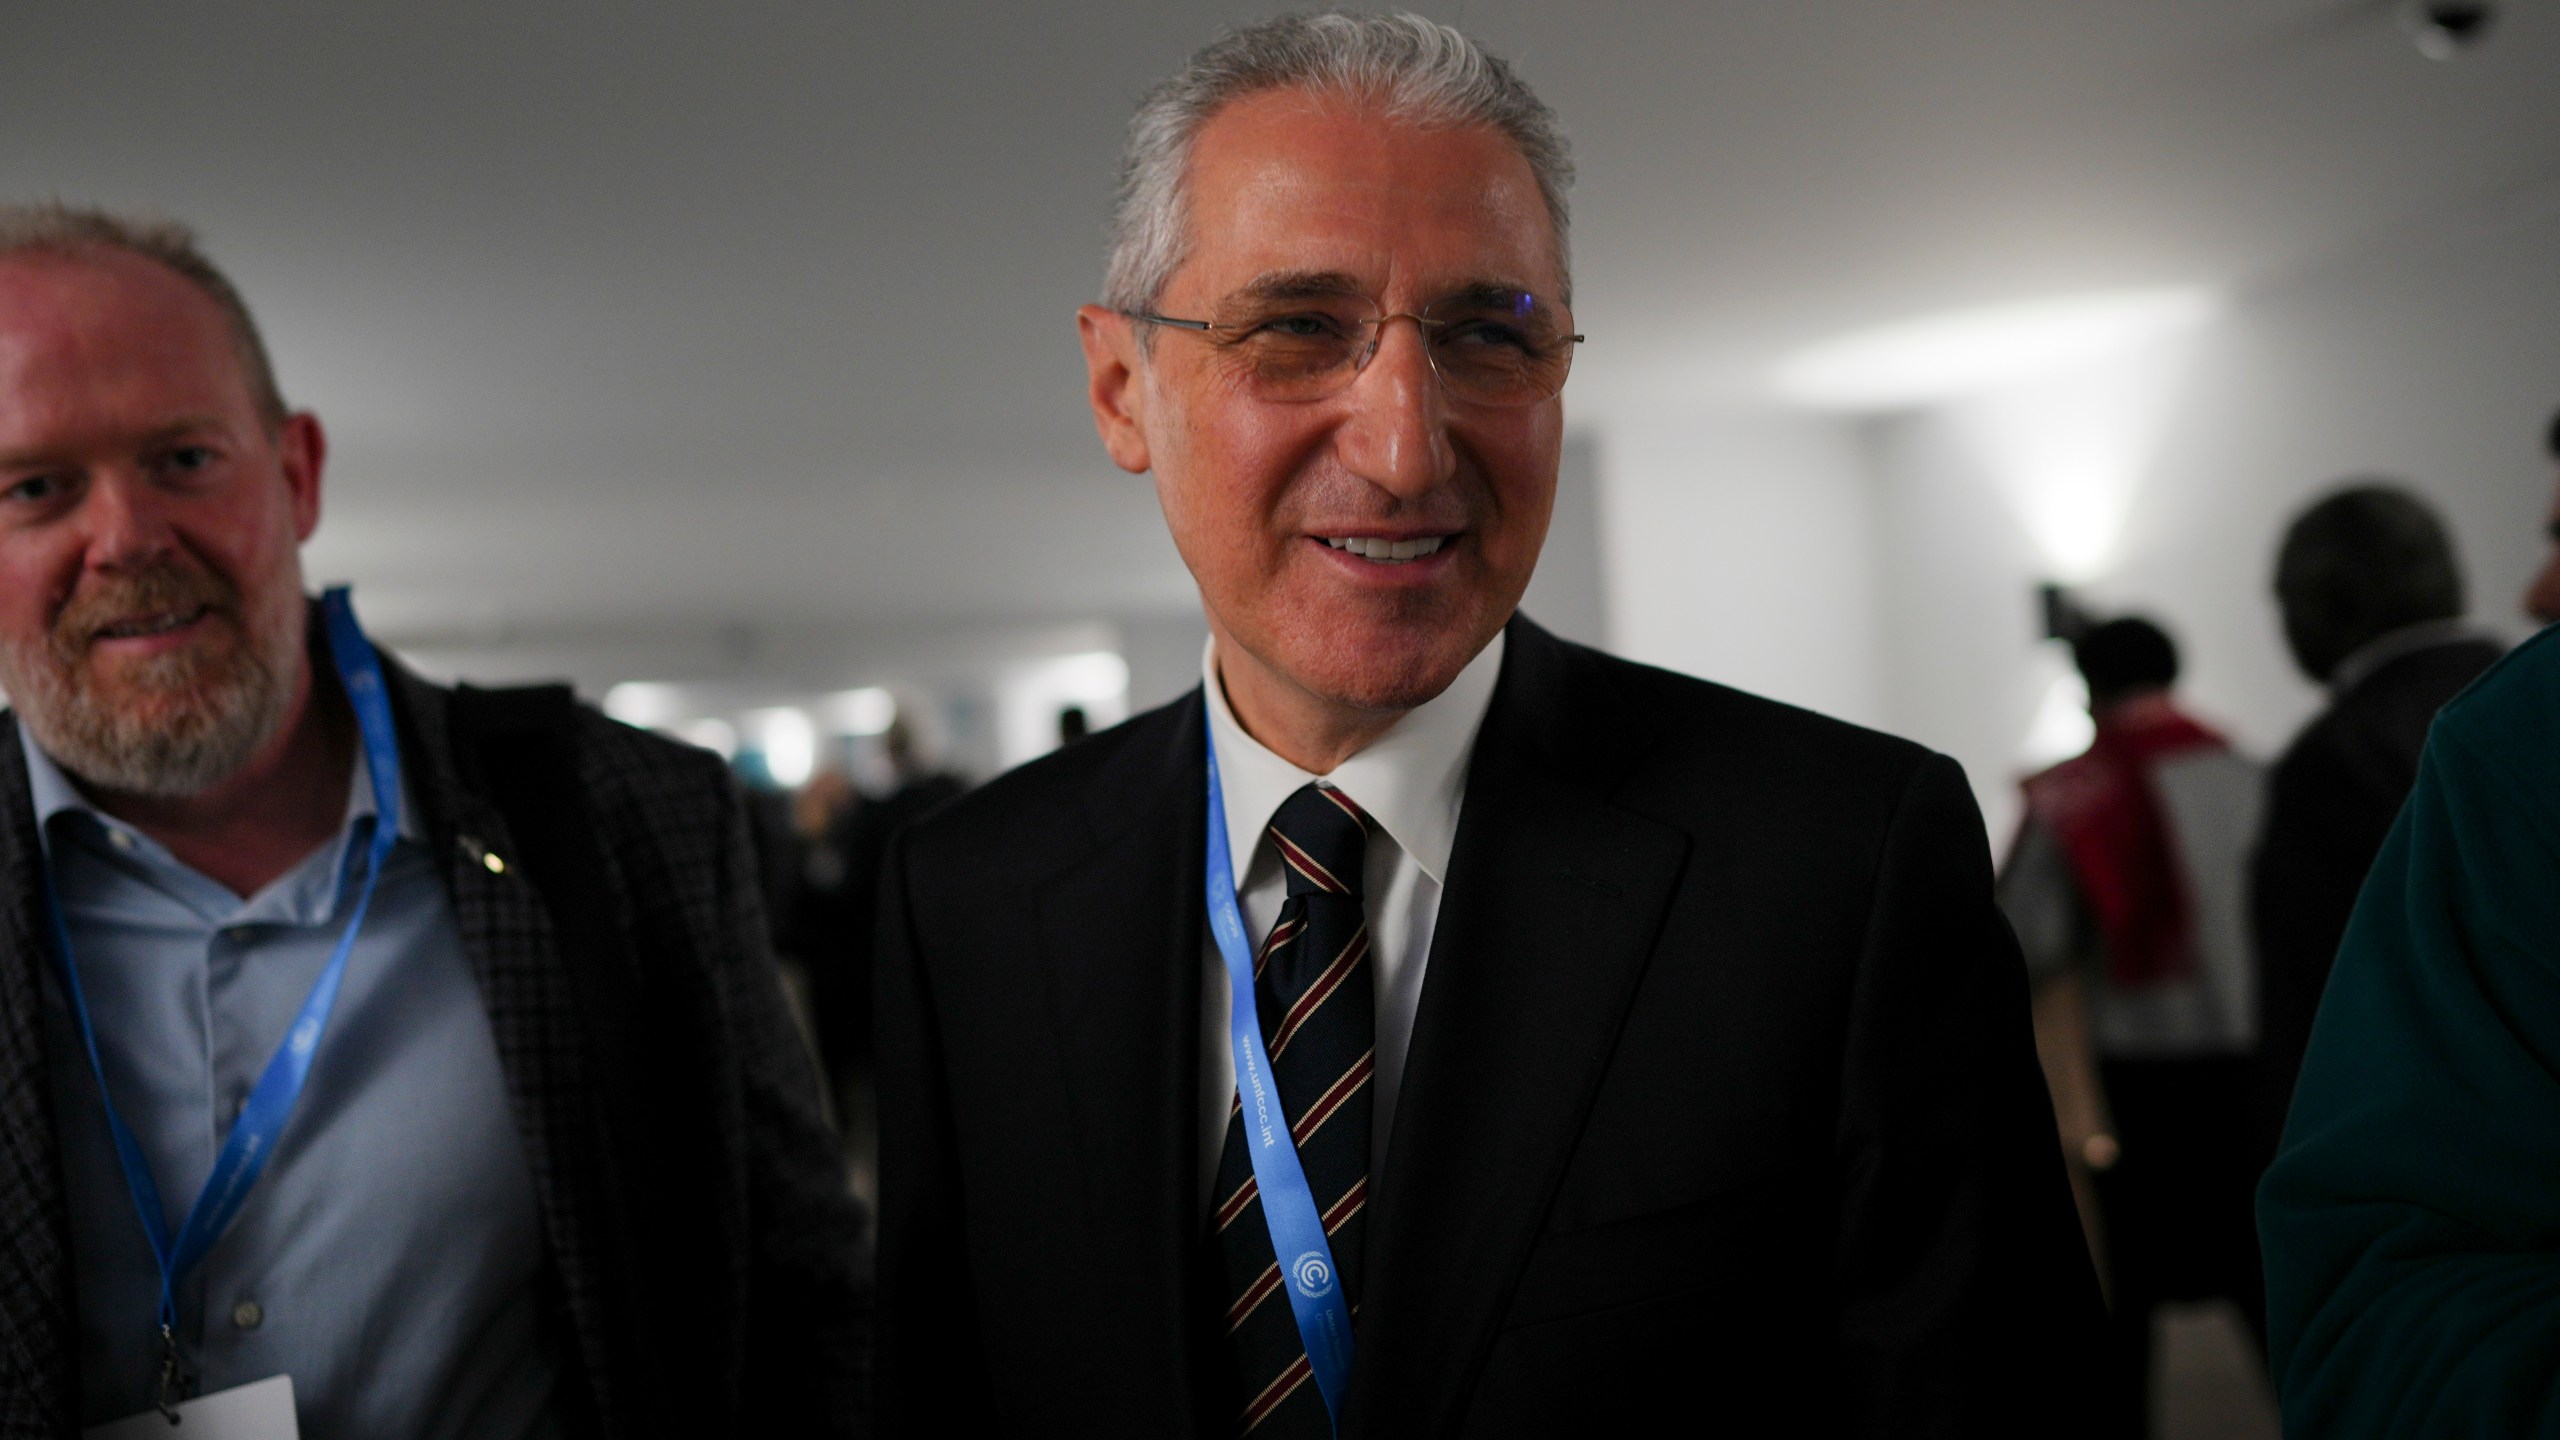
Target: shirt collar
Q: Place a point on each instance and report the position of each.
(1410, 779)
(2364, 660)
(53, 794)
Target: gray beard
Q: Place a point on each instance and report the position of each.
(212, 714)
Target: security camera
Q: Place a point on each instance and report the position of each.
(2448, 29)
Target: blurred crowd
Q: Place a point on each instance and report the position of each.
(2180, 904)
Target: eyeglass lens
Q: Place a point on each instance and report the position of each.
(1493, 346)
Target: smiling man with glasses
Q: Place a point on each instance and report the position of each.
(1429, 1026)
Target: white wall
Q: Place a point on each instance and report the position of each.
(1567, 594)
(1961, 669)
(1740, 546)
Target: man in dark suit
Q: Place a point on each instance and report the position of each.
(1617, 1046)
(2371, 597)
(375, 1059)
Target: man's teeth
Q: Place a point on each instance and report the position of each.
(1390, 551)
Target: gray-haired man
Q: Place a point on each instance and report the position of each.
(375, 1059)
(1718, 1099)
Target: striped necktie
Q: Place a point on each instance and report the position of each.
(1313, 991)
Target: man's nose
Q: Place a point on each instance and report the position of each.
(1397, 435)
(127, 519)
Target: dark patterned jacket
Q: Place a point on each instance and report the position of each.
(705, 1273)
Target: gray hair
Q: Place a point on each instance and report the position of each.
(1416, 70)
(73, 231)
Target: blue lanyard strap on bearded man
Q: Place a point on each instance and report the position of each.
(254, 1135)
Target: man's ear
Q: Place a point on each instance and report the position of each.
(1114, 385)
(302, 452)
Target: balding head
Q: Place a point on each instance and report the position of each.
(71, 232)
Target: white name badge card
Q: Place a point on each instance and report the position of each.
(262, 1410)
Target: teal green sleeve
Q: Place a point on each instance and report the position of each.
(2412, 1219)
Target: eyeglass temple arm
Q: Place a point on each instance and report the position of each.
(1149, 317)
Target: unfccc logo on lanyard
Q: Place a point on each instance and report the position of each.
(1312, 1273)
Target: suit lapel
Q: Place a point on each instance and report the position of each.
(38, 1362)
(1121, 935)
(1553, 902)
(508, 937)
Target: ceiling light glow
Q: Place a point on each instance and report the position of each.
(789, 743)
(1090, 678)
(715, 735)
(2069, 450)
(645, 703)
(867, 711)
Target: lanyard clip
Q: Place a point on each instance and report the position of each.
(173, 1385)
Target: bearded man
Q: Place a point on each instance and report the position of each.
(375, 1059)
(1427, 1026)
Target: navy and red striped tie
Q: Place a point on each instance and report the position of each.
(1318, 1008)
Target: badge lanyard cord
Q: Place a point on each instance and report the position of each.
(252, 1141)
(1288, 1206)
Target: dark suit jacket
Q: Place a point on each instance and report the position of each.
(2330, 802)
(745, 1215)
(1721, 1097)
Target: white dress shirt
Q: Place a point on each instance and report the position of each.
(1411, 781)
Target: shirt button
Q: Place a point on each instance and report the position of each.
(120, 839)
(247, 1315)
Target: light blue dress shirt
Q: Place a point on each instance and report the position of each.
(387, 1259)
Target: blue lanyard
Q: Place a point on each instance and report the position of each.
(1288, 1207)
(252, 1141)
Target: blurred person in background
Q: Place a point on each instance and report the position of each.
(376, 1059)
(2125, 889)
(2542, 597)
(2371, 598)
(820, 920)
(917, 788)
(2413, 1276)
(844, 841)
(1617, 1046)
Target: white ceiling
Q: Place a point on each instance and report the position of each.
(645, 319)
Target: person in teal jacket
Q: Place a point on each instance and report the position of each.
(2411, 1221)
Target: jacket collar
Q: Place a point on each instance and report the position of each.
(2379, 653)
